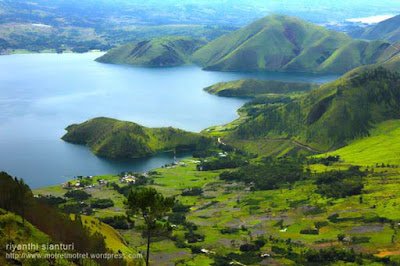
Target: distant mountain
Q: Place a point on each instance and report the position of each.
(386, 30)
(253, 87)
(158, 52)
(120, 139)
(332, 115)
(282, 43)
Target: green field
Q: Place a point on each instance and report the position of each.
(256, 214)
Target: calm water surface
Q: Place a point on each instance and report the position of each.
(40, 94)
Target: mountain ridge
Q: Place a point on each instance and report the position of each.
(288, 44)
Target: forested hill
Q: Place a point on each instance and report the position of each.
(282, 43)
(121, 139)
(333, 115)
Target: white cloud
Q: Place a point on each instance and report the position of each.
(371, 20)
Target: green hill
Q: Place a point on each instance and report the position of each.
(391, 62)
(281, 43)
(333, 115)
(253, 87)
(158, 52)
(385, 30)
(120, 139)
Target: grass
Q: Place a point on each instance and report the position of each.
(381, 147)
(268, 147)
(113, 239)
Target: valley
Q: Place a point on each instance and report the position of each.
(202, 135)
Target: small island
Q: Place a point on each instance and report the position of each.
(112, 138)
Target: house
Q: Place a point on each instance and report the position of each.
(102, 182)
(128, 179)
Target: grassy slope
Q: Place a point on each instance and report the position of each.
(13, 231)
(331, 116)
(253, 87)
(113, 239)
(281, 43)
(158, 52)
(112, 138)
(354, 54)
(381, 147)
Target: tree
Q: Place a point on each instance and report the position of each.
(24, 195)
(152, 206)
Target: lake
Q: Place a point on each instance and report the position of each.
(41, 94)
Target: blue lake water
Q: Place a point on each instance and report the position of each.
(41, 94)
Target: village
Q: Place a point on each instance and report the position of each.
(88, 182)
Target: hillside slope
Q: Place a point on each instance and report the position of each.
(253, 87)
(120, 139)
(12, 230)
(282, 43)
(158, 52)
(333, 115)
(386, 30)
(382, 146)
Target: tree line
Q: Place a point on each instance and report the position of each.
(16, 197)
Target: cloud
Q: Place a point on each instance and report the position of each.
(371, 20)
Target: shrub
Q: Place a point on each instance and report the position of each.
(118, 222)
(177, 218)
(179, 207)
(77, 195)
(192, 237)
(229, 230)
(249, 248)
(309, 232)
(195, 249)
(194, 191)
(102, 203)
(51, 200)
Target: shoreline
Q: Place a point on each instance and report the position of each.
(49, 51)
